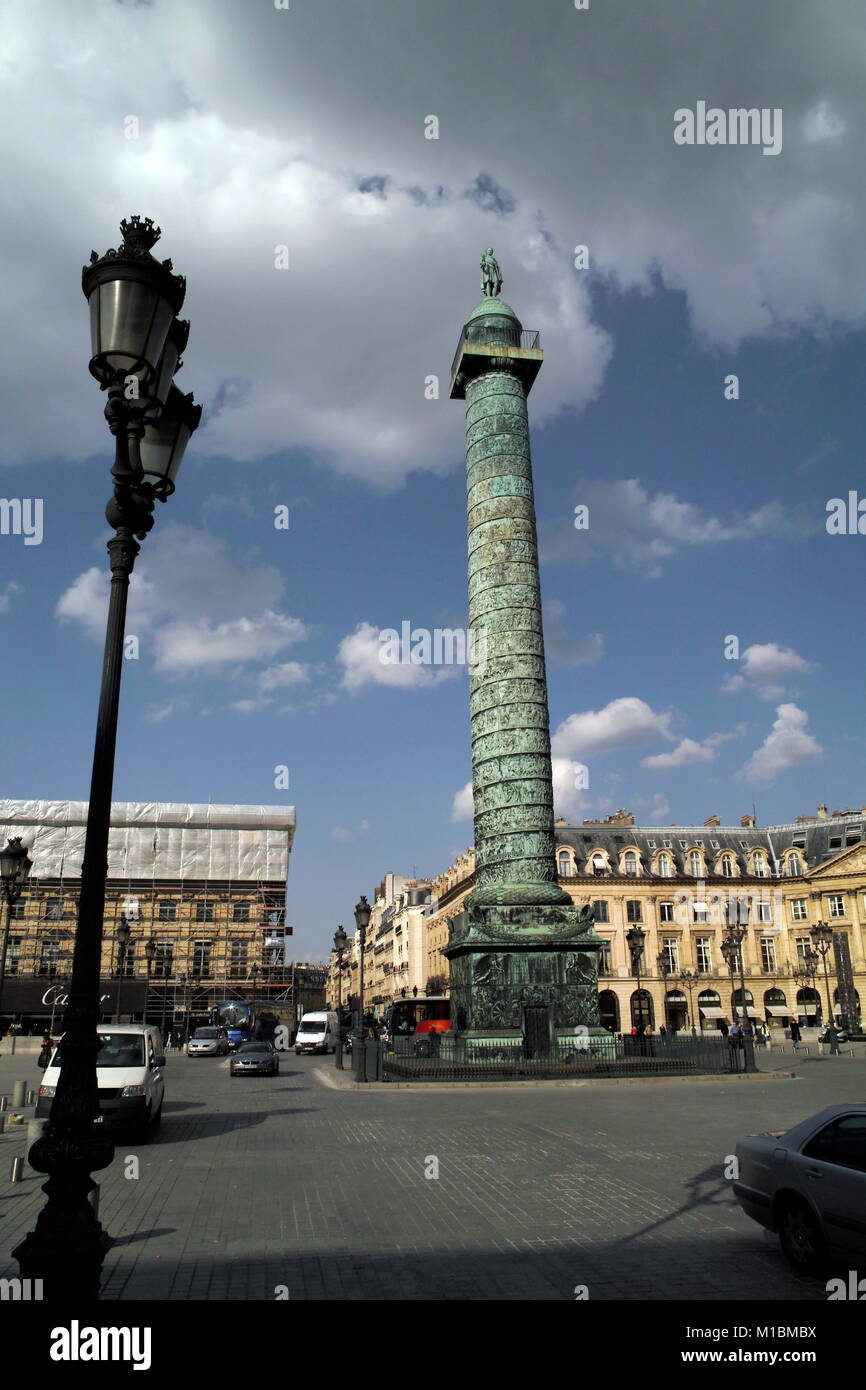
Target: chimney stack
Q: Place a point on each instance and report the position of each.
(712, 820)
(822, 811)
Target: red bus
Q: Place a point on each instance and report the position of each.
(423, 1013)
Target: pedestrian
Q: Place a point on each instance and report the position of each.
(795, 1034)
(723, 1027)
(45, 1054)
(831, 1036)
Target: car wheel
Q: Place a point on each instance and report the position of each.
(800, 1237)
(157, 1119)
(141, 1132)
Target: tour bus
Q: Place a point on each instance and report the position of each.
(419, 1015)
(252, 1020)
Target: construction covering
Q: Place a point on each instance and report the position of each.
(157, 840)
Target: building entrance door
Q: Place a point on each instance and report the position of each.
(536, 1030)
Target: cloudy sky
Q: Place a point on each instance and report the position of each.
(704, 631)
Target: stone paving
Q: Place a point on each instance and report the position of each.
(305, 1182)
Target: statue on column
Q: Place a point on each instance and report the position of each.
(491, 275)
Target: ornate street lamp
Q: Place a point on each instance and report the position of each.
(135, 349)
(635, 941)
(822, 935)
(732, 950)
(689, 978)
(362, 921)
(123, 933)
(340, 939)
(15, 866)
(664, 968)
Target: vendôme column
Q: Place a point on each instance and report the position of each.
(523, 960)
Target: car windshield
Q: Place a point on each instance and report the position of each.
(316, 1027)
(115, 1050)
(255, 1047)
(206, 1033)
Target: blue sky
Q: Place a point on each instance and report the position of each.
(707, 515)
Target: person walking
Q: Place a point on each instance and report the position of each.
(795, 1034)
(45, 1052)
(734, 1045)
(832, 1038)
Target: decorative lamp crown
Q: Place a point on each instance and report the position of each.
(139, 233)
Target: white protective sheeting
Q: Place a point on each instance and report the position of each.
(157, 840)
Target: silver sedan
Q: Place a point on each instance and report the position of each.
(809, 1186)
(255, 1059)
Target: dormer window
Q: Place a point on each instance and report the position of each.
(795, 864)
(696, 863)
(630, 864)
(565, 864)
(665, 866)
(759, 864)
(727, 866)
(598, 864)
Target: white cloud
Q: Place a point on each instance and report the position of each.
(658, 808)
(342, 834)
(463, 805)
(622, 723)
(640, 530)
(689, 750)
(286, 673)
(766, 669)
(9, 592)
(787, 745)
(262, 133)
(360, 655)
(822, 123)
(194, 607)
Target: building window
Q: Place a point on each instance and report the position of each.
(704, 954)
(666, 912)
(671, 953)
(167, 912)
(634, 911)
(201, 959)
(700, 912)
(604, 960)
(49, 957)
(13, 955)
(128, 959)
(240, 912)
(16, 912)
(837, 905)
(204, 912)
(804, 946)
(630, 864)
(53, 909)
(759, 864)
(665, 866)
(565, 870)
(768, 955)
(765, 911)
(799, 910)
(696, 863)
(727, 866)
(239, 955)
(599, 910)
(598, 864)
(163, 960)
(795, 864)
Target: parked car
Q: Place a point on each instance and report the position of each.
(809, 1186)
(255, 1059)
(129, 1075)
(208, 1042)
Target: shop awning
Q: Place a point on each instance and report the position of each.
(711, 1011)
(753, 1013)
(779, 1010)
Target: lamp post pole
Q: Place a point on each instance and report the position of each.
(732, 950)
(123, 934)
(362, 921)
(136, 345)
(689, 979)
(822, 936)
(15, 866)
(664, 969)
(340, 939)
(635, 940)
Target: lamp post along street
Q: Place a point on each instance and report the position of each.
(732, 950)
(822, 936)
(664, 969)
(136, 342)
(689, 978)
(340, 939)
(123, 934)
(362, 921)
(635, 939)
(15, 866)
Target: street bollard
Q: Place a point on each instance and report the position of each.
(338, 1054)
(4, 1101)
(17, 1168)
(35, 1130)
(19, 1091)
(2, 1121)
(31, 1096)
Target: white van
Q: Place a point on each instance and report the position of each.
(129, 1074)
(318, 1032)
